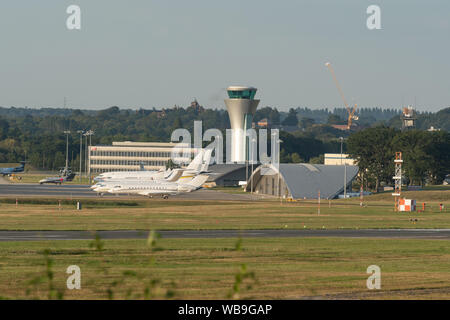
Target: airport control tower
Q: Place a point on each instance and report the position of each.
(241, 107)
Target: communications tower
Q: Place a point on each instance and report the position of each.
(409, 118)
(397, 178)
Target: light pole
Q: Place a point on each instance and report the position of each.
(89, 134)
(345, 170)
(345, 180)
(81, 146)
(279, 182)
(253, 142)
(90, 144)
(85, 154)
(278, 158)
(246, 172)
(67, 132)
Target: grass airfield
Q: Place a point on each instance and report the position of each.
(314, 268)
(264, 268)
(157, 214)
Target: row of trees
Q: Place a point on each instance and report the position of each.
(304, 118)
(41, 140)
(426, 155)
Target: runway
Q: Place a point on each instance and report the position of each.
(443, 234)
(70, 191)
(26, 189)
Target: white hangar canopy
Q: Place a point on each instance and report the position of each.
(302, 180)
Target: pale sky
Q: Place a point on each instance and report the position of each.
(142, 53)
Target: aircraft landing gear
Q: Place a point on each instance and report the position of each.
(165, 197)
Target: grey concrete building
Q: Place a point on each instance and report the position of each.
(128, 155)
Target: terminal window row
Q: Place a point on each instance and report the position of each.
(140, 154)
(128, 162)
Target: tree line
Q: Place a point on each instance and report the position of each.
(426, 155)
(39, 138)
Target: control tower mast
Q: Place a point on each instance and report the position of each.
(241, 107)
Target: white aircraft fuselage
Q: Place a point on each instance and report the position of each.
(152, 188)
(131, 175)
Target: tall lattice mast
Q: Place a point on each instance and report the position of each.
(397, 178)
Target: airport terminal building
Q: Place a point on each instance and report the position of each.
(128, 156)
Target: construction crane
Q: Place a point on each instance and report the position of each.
(351, 112)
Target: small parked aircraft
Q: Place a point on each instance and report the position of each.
(65, 175)
(9, 171)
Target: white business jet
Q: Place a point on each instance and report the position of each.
(191, 179)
